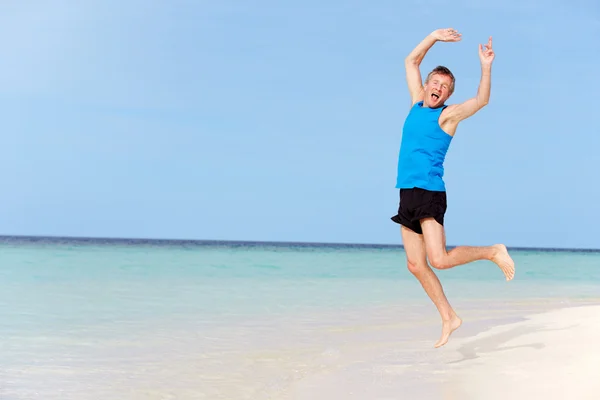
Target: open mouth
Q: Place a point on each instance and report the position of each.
(435, 96)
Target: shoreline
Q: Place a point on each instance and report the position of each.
(380, 352)
(550, 354)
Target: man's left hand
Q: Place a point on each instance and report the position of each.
(486, 54)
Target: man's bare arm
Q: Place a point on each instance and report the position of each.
(413, 61)
(413, 73)
(464, 110)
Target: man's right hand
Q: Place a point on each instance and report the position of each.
(446, 35)
(413, 60)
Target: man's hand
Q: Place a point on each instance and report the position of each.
(486, 54)
(458, 112)
(413, 60)
(446, 35)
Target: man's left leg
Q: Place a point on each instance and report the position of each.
(440, 258)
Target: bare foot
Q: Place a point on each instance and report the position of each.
(504, 261)
(447, 328)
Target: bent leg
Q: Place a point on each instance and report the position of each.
(440, 258)
(416, 257)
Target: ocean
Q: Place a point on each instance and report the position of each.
(159, 319)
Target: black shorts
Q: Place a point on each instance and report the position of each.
(416, 204)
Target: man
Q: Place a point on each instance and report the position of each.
(426, 136)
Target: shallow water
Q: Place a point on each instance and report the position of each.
(89, 320)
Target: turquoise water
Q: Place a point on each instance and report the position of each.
(68, 282)
(104, 308)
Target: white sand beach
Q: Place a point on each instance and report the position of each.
(552, 355)
(372, 353)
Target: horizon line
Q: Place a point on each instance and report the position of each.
(3, 237)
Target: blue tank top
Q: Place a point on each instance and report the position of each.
(422, 150)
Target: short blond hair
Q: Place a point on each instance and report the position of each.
(441, 70)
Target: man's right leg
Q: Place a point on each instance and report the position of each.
(416, 257)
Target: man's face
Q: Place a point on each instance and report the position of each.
(437, 90)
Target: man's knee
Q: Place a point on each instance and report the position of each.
(439, 261)
(415, 268)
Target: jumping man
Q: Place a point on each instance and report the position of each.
(426, 136)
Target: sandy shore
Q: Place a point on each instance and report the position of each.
(552, 355)
(373, 353)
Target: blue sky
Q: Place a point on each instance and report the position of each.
(281, 120)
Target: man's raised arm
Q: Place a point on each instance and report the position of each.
(464, 110)
(414, 59)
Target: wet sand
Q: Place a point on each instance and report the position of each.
(550, 355)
